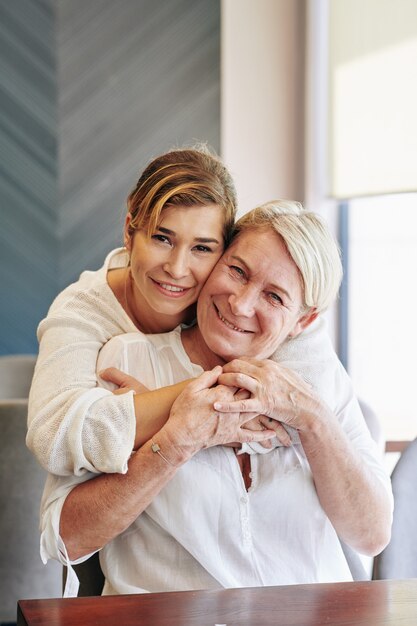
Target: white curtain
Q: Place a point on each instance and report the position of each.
(372, 107)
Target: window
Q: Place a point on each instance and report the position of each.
(362, 135)
(381, 307)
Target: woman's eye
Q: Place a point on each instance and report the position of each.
(161, 238)
(202, 248)
(276, 299)
(237, 270)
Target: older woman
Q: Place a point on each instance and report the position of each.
(192, 513)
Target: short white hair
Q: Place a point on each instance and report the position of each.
(309, 243)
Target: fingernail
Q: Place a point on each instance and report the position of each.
(217, 406)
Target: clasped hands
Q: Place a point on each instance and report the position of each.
(245, 400)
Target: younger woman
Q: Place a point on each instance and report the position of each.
(179, 218)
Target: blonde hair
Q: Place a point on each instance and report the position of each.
(183, 177)
(309, 243)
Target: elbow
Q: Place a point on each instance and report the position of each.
(74, 549)
(376, 545)
(73, 552)
(68, 538)
(377, 535)
(36, 448)
(380, 541)
(373, 543)
(40, 443)
(46, 457)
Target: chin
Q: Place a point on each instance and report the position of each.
(219, 349)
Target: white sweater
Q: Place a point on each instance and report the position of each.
(73, 425)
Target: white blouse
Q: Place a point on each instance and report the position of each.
(204, 530)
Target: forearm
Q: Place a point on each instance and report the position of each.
(353, 498)
(64, 392)
(152, 410)
(98, 510)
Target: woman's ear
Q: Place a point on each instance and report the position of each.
(304, 321)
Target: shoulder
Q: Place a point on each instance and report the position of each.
(133, 344)
(91, 281)
(313, 357)
(312, 351)
(89, 302)
(152, 359)
(126, 352)
(311, 345)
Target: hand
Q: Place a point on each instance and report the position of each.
(193, 424)
(123, 381)
(276, 392)
(262, 422)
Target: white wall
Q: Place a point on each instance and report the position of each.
(262, 101)
(264, 105)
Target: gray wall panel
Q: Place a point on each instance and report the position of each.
(90, 91)
(28, 170)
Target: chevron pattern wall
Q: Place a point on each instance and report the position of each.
(28, 170)
(89, 92)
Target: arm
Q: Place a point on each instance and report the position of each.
(355, 501)
(71, 419)
(152, 407)
(152, 410)
(139, 357)
(354, 498)
(64, 393)
(98, 510)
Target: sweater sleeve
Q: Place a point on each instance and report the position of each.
(64, 400)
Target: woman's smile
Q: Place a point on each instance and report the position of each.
(229, 324)
(169, 289)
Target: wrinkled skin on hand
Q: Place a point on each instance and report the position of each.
(262, 422)
(194, 423)
(126, 383)
(275, 392)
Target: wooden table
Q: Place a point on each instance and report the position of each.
(378, 603)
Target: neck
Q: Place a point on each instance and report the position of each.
(197, 349)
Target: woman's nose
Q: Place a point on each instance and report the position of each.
(177, 264)
(242, 302)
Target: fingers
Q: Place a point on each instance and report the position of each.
(242, 394)
(113, 375)
(240, 380)
(121, 379)
(266, 444)
(246, 436)
(255, 424)
(250, 405)
(121, 391)
(245, 365)
(206, 380)
(280, 432)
